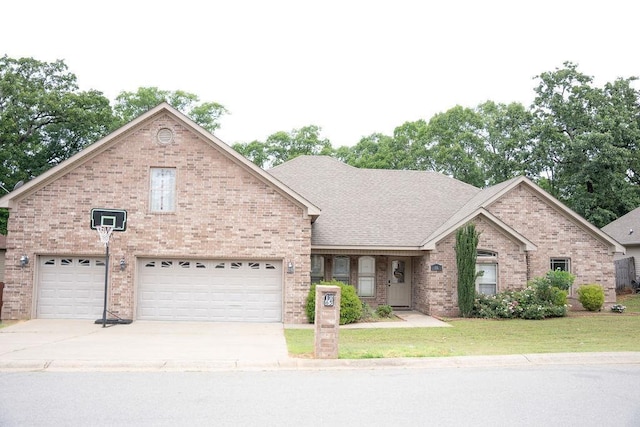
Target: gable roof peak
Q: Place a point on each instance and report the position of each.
(94, 149)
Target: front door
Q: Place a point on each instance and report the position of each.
(399, 289)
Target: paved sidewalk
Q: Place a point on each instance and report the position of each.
(80, 345)
(408, 319)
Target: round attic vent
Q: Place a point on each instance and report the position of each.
(165, 136)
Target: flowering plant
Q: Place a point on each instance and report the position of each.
(618, 308)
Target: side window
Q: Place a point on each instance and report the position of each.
(561, 264)
(487, 282)
(163, 190)
(341, 269)
(317, 268)
(366, 276)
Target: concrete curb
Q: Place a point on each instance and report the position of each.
(614, 358)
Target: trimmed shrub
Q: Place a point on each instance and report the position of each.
(350, 304)
(560, 279)
(546, 291)
(538, 300)
(466, 254)
(591, 296)
(384, 311)
(367, 312)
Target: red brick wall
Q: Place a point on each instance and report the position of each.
(222, 211)
(557, 236)
(436, 293)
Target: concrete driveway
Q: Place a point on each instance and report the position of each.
(64, 344)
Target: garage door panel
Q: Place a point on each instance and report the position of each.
(210, 290)
(70, 287)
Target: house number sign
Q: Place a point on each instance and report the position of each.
(329, 299)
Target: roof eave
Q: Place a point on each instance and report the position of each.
(369, 249)
(525, 243)
(615, 247)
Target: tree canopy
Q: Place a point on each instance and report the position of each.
(577, 140)
(45, 118)
(129, 105)
(282, 146)
(584, 143)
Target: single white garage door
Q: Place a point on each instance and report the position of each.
(70, 288)
(199, 290)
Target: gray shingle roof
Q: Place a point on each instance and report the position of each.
(619, 229)
(373, 207)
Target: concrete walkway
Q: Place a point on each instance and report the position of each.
(81, 345)
(408, 319)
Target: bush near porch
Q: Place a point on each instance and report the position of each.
(350, 304)
(542, 298)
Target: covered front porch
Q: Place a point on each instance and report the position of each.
(400, 279)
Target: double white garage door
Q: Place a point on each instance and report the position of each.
(167, 289)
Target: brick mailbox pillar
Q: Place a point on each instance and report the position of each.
(327, 322)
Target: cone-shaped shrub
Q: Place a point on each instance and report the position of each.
(466, 253)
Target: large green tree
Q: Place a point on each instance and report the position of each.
(129, 105)
(372, 152)
(585, 148)
(44, 119)
(283, 146)
(506, 130)
(455, 142)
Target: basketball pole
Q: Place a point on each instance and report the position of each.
(106, 284)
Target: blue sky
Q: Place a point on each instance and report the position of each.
(350, 67)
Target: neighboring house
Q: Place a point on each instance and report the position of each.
(626, 230)
(210, 236)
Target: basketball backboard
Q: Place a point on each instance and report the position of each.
(116, 218)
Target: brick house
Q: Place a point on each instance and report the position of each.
(210, 236)
(392, 234)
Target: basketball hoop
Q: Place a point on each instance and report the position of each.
(105, 222)
(104, 231)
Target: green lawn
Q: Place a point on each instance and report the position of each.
(631, 301)
(579, 332)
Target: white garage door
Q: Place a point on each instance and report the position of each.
(227, 291)
(70, 288)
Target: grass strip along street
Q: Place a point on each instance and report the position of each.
(579, 332)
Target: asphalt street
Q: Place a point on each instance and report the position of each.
(570, 395)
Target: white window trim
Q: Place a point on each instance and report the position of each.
(479, 280)
(365, 276)
(162, 190)
(562, 259)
